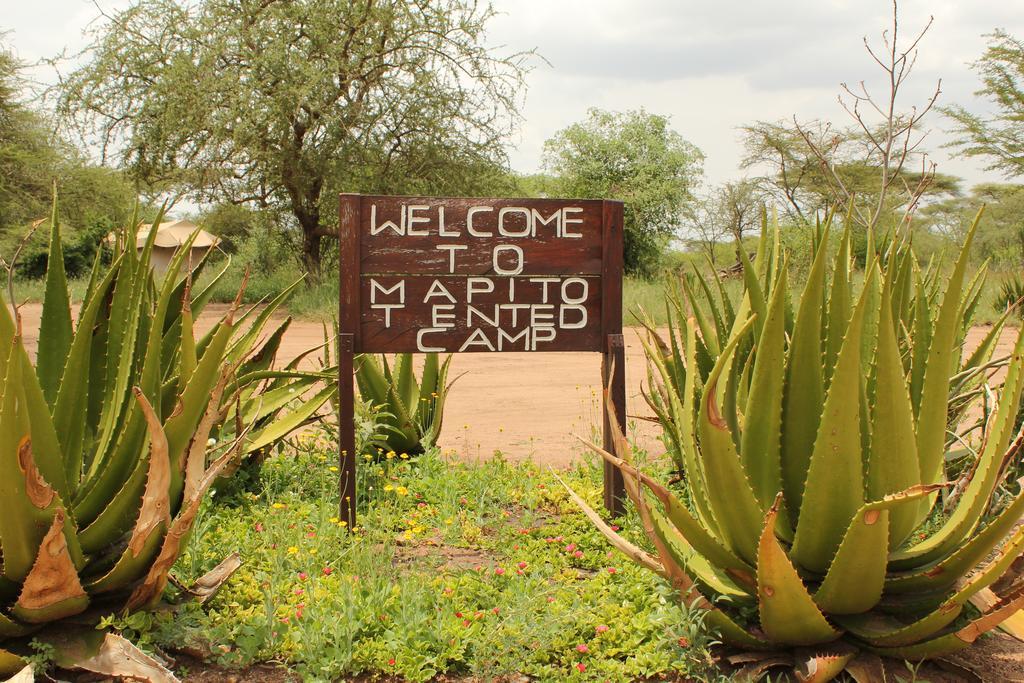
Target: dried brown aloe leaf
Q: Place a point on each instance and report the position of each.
(207, 585)
(37, 490)
(152, 586)
(115, 657)
(52, 589)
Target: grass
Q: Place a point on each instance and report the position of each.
(484, 570)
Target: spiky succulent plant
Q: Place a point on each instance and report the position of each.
(811, 443)
(411, 412)
(109, 441)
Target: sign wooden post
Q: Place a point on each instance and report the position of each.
(433, 274)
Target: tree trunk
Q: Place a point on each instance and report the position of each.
(311, 243)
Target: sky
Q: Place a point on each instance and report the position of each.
(711, 66)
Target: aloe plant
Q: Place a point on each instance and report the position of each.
(110, 440)
(812, 436)
(1010, 294)
(411, 412)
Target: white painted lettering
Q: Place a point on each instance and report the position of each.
(413, 219)
(378, 287)
(386, 225)
(542, 315)
(507, 271)
(544, 282)
(442, 317)
(566, 221)
(452, 248)
(538, 220)
(541, 334)
(478, 338)
(387, 311)
(470, 310)
(437, 289)
(504, 336)
(473, 210)
(420, 346)
(525, 231)
(478, 285)
(572, 325)
(566, 298)
(442, 230)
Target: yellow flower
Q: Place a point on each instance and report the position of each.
(390, 455)
(278, 506)
(402, 491)
(343, 523)
(404, 456)
(334, 520)
(293, 550)
(332, 468)
(389, 487)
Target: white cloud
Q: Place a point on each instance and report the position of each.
(711, 66)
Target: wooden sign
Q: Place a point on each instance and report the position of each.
(456, 275)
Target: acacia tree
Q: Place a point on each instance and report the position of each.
(999, 138)
(633, 156)
(282, 104)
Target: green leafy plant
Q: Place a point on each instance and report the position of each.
(813, 442)
(1010, 294)
(110, 440)
(411, 412)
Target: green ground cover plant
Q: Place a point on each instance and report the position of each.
(486, 570)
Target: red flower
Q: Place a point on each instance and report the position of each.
(259, 527)
(391, 662)
(499, 571)
(303, 576)
(581, 667)
(522, 565)
(467, 623)
(578, 554)
(684, 641)
(601, 628)
(328, 571)
(582, 648)
(458, 615)
(569, 548)
(612, 570)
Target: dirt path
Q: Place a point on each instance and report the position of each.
(525, 405)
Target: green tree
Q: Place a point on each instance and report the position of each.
(32, 161)
(810, 167)
(281, 105)
(1000, 236)
(1000, 137)
(636, 157)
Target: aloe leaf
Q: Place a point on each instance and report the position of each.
(856, 575)
(706, 574)
(805, 386)
(28, 500)
(761, 439)
(55, 325)
(826, 510)
(787, 611)
(892, 458)
(967, 514)
(285, 425)
(733, 501)
(839, 305)
(931, 418)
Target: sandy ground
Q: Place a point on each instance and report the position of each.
(526, 405)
